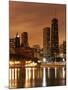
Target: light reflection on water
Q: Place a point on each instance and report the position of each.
(55, 72)
(63, 72)
(48, 72)
(36, 77)
(27, 77)
(44, 77)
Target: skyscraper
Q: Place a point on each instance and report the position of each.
(17, 41)
(46, 41)
(12, 42)
(54, 38)
(36, 49)
(24, 39)
(64, 47)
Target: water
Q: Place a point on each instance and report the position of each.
(36, 77)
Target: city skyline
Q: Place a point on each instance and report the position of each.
(33, 17)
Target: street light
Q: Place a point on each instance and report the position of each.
(44, 60)
(63, 59)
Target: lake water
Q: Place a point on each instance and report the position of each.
(36, 77)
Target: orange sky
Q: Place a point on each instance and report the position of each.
(33, 17)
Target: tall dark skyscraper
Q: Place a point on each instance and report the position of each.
(17, 41)
(24, 39)
(46, 41)
(54, 38)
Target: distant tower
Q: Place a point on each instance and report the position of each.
(46, 41)
(54, 38)
(64, 47)
(24, 39)
(12, 42)
(17, 41)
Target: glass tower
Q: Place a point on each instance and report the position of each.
(54, 38)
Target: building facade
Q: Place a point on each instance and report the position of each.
(24, 39)
(36, 50)
(54, 38)
(64, 47)
(17, 40)
(12, 42)
(46, 42)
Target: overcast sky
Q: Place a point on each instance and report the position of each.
(33, 17)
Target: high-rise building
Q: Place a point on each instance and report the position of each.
(12, 42)
(36, 50)
(46, 41)
(17, 40)
(64, 47)
(54, 38)
(24, 39)
(61, 48)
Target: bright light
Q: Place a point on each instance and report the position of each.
(63, 59)
(44, 59)
(61, 55)
(31, 64)
(28, 62)
(17, 62)
(11, 63)
(39, 61)
(14, 62)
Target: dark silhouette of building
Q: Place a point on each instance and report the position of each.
(54, 38)
(26, 53)
(46, 41)
(64, 47)
(17, 41)
(24, 39)
(22, 51)
(36, 50)
(12, 42)
(63, 50)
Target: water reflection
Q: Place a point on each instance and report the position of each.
(44, 77)
(55, 72)
(48, 72)
(36, 77)
(63, 73)
(27, 78)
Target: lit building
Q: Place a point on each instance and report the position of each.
(24, 39)
(36, 50)
(46, 42)
(17, 40)
(54, 38)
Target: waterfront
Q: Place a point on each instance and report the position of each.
(37, 46)
(27, 77)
